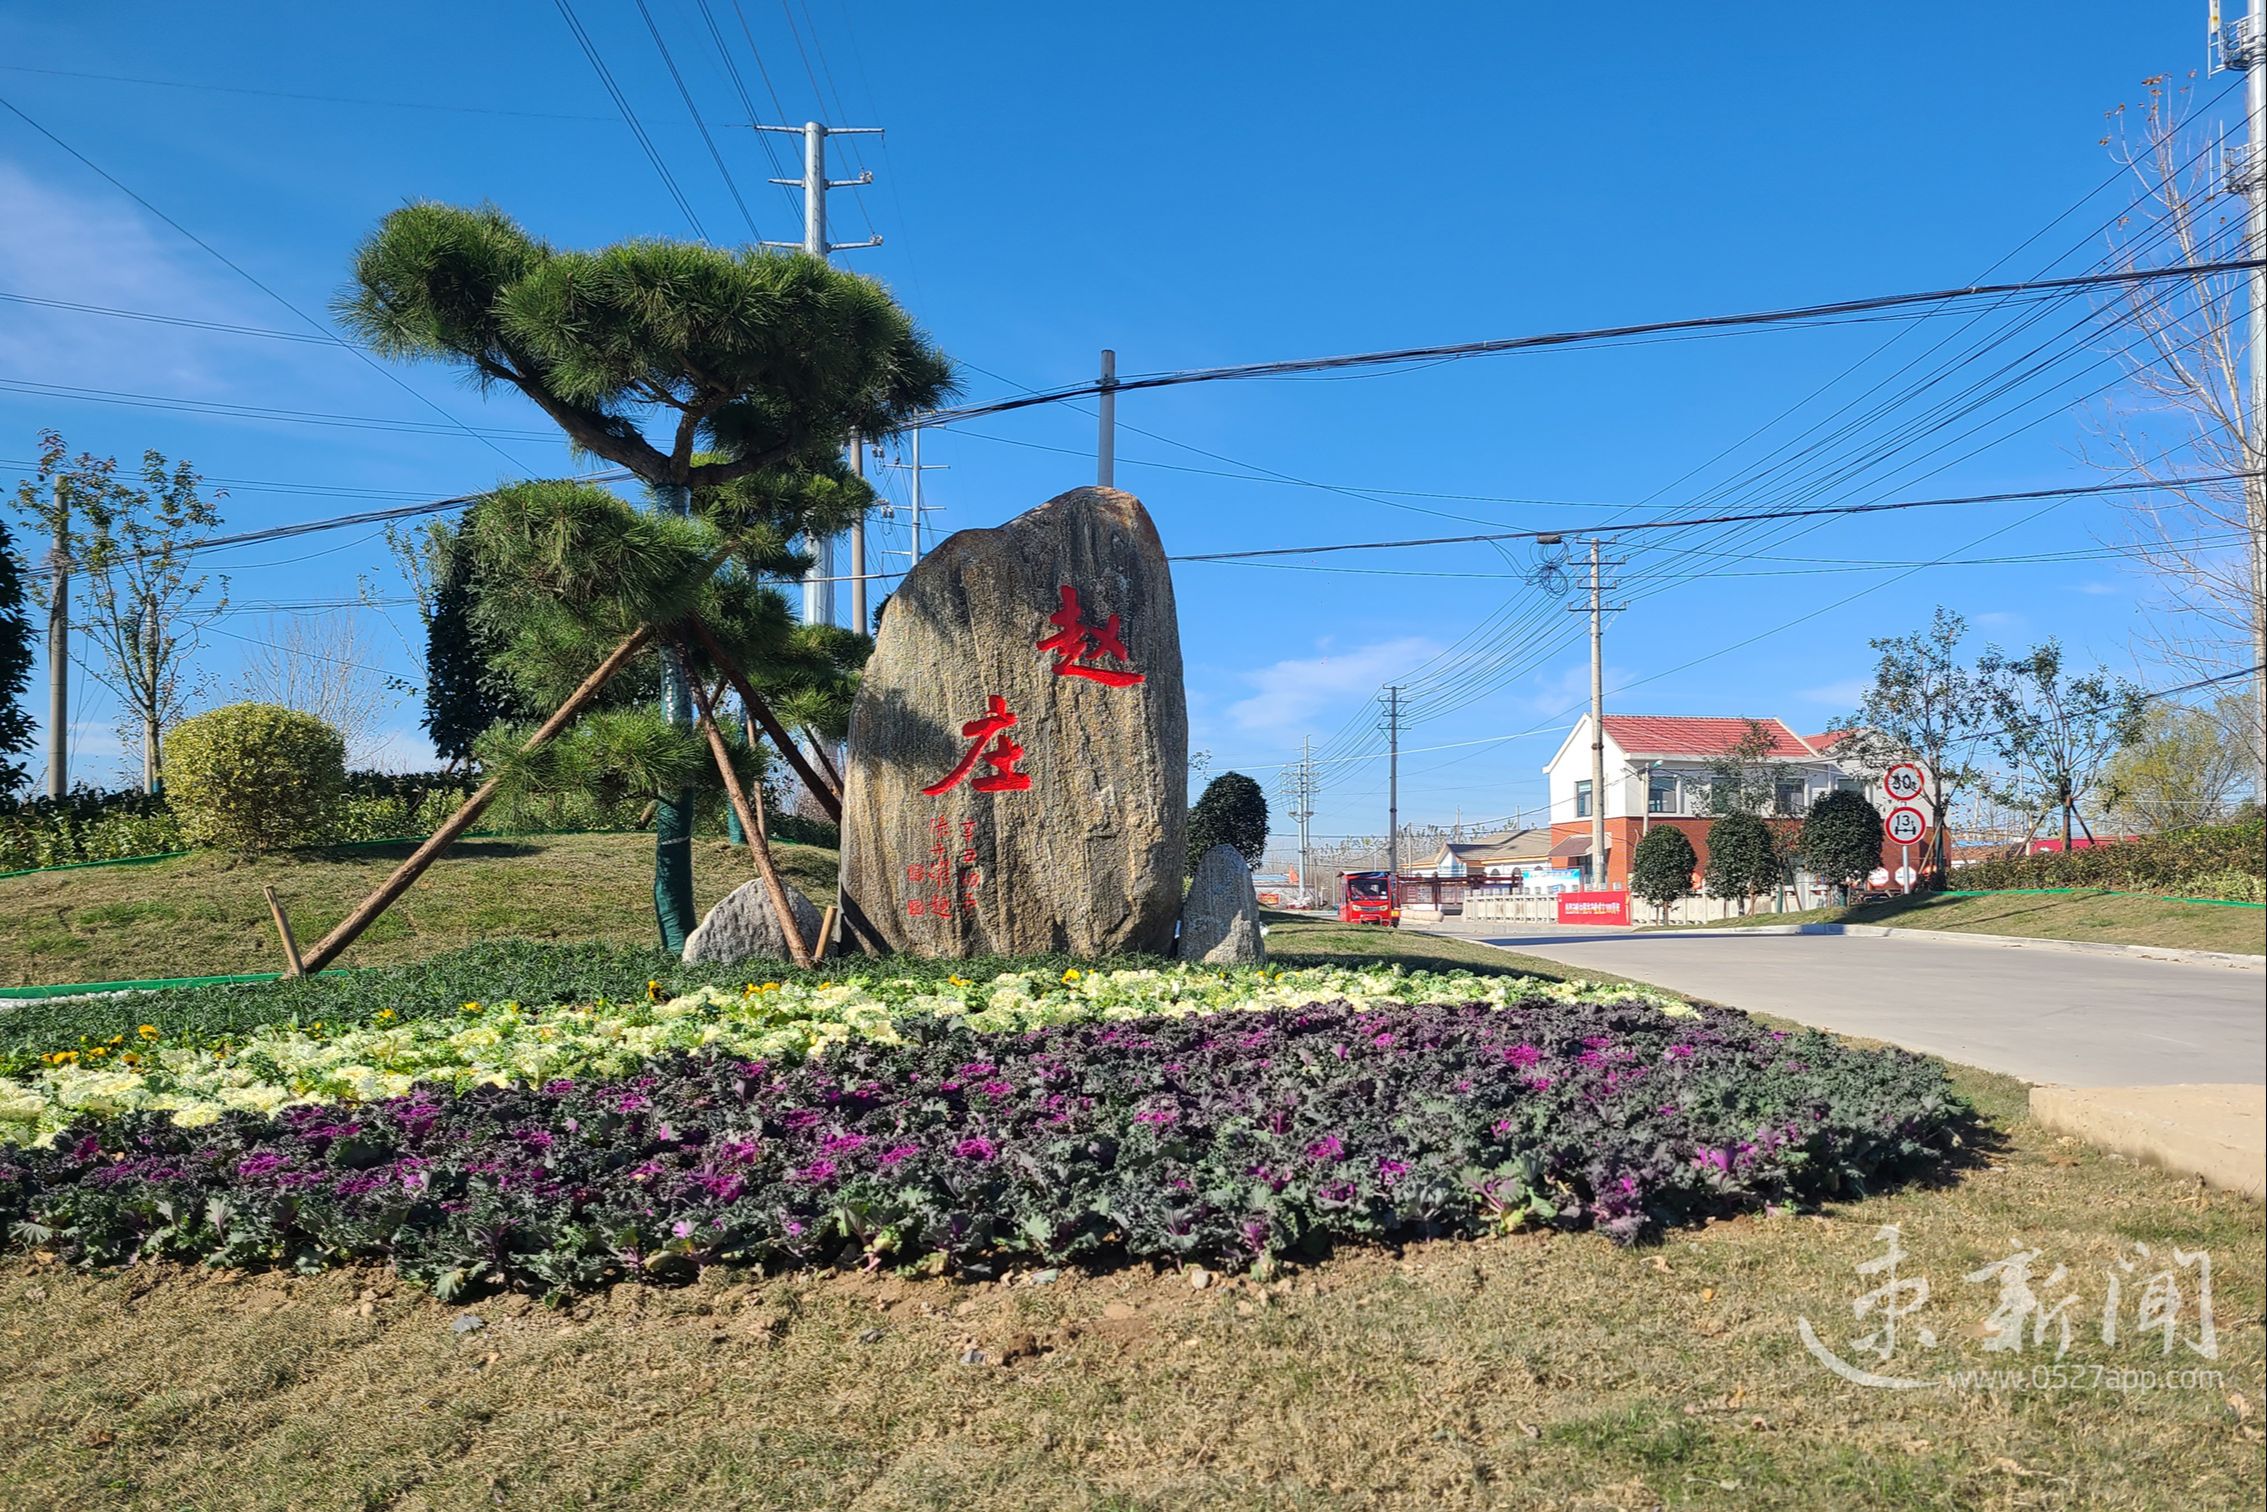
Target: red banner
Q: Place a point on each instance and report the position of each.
(1593, 908)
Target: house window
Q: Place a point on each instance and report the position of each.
(1789, 799)
(1661, 794)
(1582, 799)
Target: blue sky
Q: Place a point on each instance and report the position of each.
(1190, 185)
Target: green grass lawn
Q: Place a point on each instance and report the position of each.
(1532, 1370)
(2112, 918)
(203, 915)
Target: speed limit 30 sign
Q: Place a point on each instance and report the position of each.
(1906, 824)
(1904, 782)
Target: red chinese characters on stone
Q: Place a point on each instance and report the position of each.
(1076, 645)
(953, 883)
(1001, 758)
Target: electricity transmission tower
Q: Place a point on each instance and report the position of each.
(818, 583)
(1299, 790)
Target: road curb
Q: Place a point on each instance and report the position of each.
(2214, 1132)
(2068, 947)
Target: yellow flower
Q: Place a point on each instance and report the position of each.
(472, 1007)
(99, 1050)
(385, 1015)
(131, 1059)
(1071, 975)
(147, 1031)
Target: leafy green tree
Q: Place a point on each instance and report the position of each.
(2183, 767)
(1924, 704)
(1232, 811)
(15, 667)
(1661, 868)
(2055, 733)
(1742, 860)
(754, 368)
(1841, 838)
(142, 607)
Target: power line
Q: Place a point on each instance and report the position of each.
(699, 125)
(1744, 320)
(234, 267)
(318, 99)
(262, 412)
(336, 522)
(629, 116)
(2074, 491)
(175, 320)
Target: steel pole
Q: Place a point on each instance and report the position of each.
(1597, 722)
(2255, 428)
(1393, 797)
(59, 655)
(673, 814)
(818, 583)
(1106, 433)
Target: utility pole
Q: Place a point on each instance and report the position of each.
(1300, 782)
(59, 654)
(1597, 608)
(2241, 45)
(818, 583)
(858, 546)
(1393, 792)
(918, 507)
(151, 760)
(1106, 411)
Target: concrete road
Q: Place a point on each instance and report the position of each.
(2042, 1015)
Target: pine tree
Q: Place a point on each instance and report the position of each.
(759, 366)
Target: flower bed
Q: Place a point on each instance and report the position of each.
(196, 1077)
(976, 1139)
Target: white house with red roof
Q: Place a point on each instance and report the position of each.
(1658, 771)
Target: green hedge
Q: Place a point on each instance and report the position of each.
(91, 825)
(2224, 861)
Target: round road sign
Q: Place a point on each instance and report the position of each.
(1905, 781)
(1906, 824)
(1878, 877)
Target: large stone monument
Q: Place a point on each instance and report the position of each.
(1018, 777)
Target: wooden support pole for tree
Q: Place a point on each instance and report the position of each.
(759, 849)
(826, 762)
(283, 931)
(327, 948)
(826, 934)
(829, 796)
(754, 739)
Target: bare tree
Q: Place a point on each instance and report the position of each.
(323, 665)
(2189, 407)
